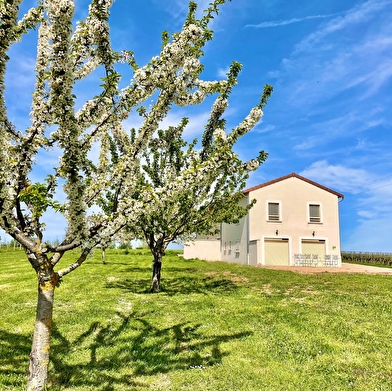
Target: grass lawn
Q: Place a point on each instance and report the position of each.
(214, 326)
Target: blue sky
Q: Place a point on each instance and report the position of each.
(329, 117)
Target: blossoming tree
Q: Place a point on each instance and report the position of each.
(99, 193)
(189, 190)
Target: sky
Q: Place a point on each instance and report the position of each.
(329, 118)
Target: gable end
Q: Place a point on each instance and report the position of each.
(294, 175)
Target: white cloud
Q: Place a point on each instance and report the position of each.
(353, 16)
(56, 226)
(222, 72)
(369, 189)
(368, 210)
(370, 235)
(331, 127)
(342, 178)
(288, 21)
(20, 70)
(265, 129)
(195, 127)
(340, 55)
(366, 214)
(377, 78)
(179, 8)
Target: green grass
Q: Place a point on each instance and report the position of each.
(214, 326)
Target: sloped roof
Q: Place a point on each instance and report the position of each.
(293, 175)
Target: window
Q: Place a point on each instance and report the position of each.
(273, 211)
(237, 246)
(314, 213)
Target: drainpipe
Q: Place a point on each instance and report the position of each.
(220, 239)
(247, 235)
(340, 236)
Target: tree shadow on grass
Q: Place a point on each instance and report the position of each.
(179, 285)
(117, 353)
(122, 351)
(14, 358)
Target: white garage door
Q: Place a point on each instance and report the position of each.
(276, 252)
(313, 246)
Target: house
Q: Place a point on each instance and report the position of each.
(295, 221)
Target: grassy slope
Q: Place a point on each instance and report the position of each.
(214, 326)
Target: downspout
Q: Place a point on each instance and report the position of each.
(247, 235)
(221, 241)
(340, 199)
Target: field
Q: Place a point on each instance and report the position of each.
(375, 259)
(214, 326)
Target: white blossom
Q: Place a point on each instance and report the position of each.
(252, 165)
(67, 53)
(220, 133)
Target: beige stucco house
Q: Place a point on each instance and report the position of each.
(295, 221)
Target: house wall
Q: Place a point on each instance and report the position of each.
(255, 238)
(234, 240)
(231, 245)
(207, 248)
(294, 196)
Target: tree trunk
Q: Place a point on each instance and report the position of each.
(39, 356)
(156, 273)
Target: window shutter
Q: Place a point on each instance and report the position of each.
(314, 213)
(273, 211)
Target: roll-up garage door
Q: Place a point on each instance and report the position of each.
(276, 252)
(314, 246)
